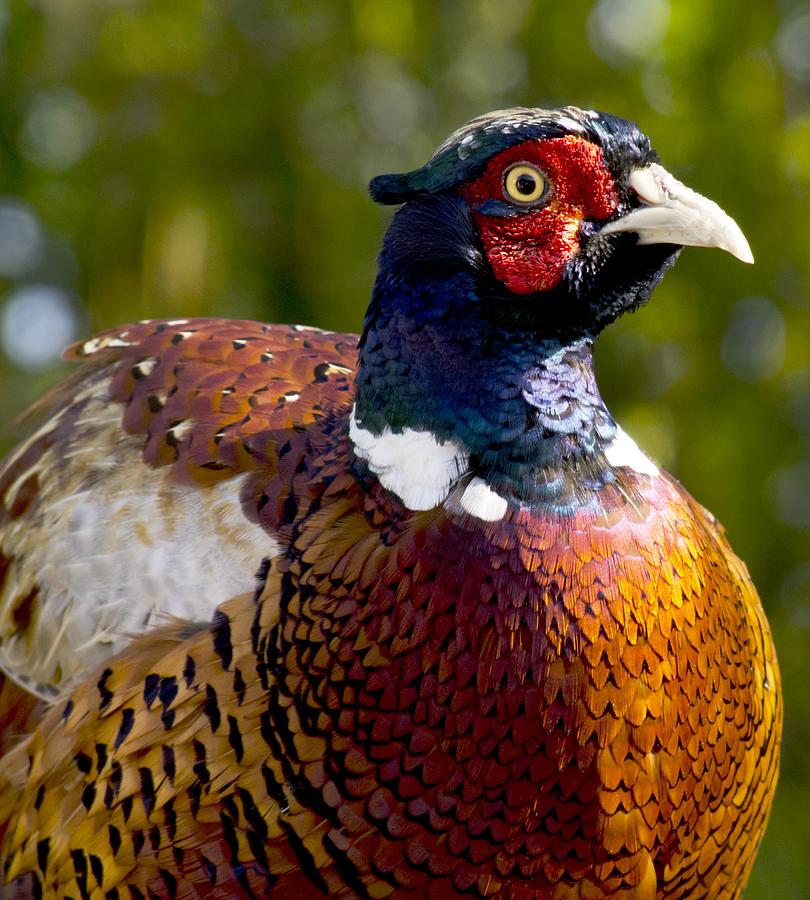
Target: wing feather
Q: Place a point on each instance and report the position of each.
(129, 503)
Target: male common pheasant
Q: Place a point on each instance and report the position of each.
(491, 650)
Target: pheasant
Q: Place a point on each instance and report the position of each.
(290, 613)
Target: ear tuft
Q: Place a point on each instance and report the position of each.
(390, 189)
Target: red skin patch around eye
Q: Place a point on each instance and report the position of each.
(528, 252)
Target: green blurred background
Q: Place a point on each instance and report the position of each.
(194, 157)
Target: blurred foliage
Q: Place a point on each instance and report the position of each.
(210, 156)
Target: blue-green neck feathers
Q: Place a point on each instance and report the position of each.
(436, 356)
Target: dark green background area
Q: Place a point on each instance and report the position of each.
(195, 157)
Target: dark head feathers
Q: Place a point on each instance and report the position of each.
(466, 151)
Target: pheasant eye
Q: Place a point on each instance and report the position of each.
(523, 183)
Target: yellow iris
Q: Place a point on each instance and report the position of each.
(524, 183)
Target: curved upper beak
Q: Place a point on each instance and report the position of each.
(675, 214)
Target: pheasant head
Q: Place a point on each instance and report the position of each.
(525, 234)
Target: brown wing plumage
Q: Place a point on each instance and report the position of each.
(213, 397)
(162, 429)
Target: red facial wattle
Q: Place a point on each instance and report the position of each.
(528, 251)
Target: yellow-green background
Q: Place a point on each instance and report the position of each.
(189, 157)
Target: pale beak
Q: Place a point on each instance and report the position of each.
(675, 214)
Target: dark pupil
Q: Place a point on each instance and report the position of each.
(525, 184)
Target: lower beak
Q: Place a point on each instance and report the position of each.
(675, 214)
